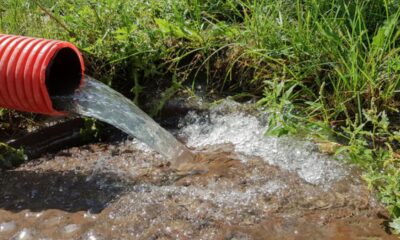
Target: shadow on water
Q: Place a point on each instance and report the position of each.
(67, 190)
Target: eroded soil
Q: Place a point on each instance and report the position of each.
(124, 191)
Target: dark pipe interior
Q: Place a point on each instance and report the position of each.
(64, 73)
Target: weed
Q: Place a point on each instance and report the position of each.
(10, 157)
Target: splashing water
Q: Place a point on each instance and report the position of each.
(256, 187)
(226, 123)
(99, 101)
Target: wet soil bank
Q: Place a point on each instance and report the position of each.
(123, 190)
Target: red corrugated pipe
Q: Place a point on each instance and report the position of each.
(33, 69)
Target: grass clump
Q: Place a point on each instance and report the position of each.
(330, 65)
(10, 157)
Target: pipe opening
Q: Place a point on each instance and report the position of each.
(64, 73)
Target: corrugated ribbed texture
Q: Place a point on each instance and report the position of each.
(23, 65)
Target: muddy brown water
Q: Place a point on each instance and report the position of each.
(123, 191)
(240, 185)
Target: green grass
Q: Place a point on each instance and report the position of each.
(10, 157)
(329, 65)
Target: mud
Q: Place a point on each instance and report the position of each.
(124, 191)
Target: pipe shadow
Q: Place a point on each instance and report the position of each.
(67, 190)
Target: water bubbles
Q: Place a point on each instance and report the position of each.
(91, 235)
(71, 228)
(111, 215)
(89, 215)
(29, 214)
(7, 226)
(24, 234)
(272, 187)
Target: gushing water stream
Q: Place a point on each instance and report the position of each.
(99, 101)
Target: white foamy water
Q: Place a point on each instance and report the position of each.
(224, 125)
(219, 201)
